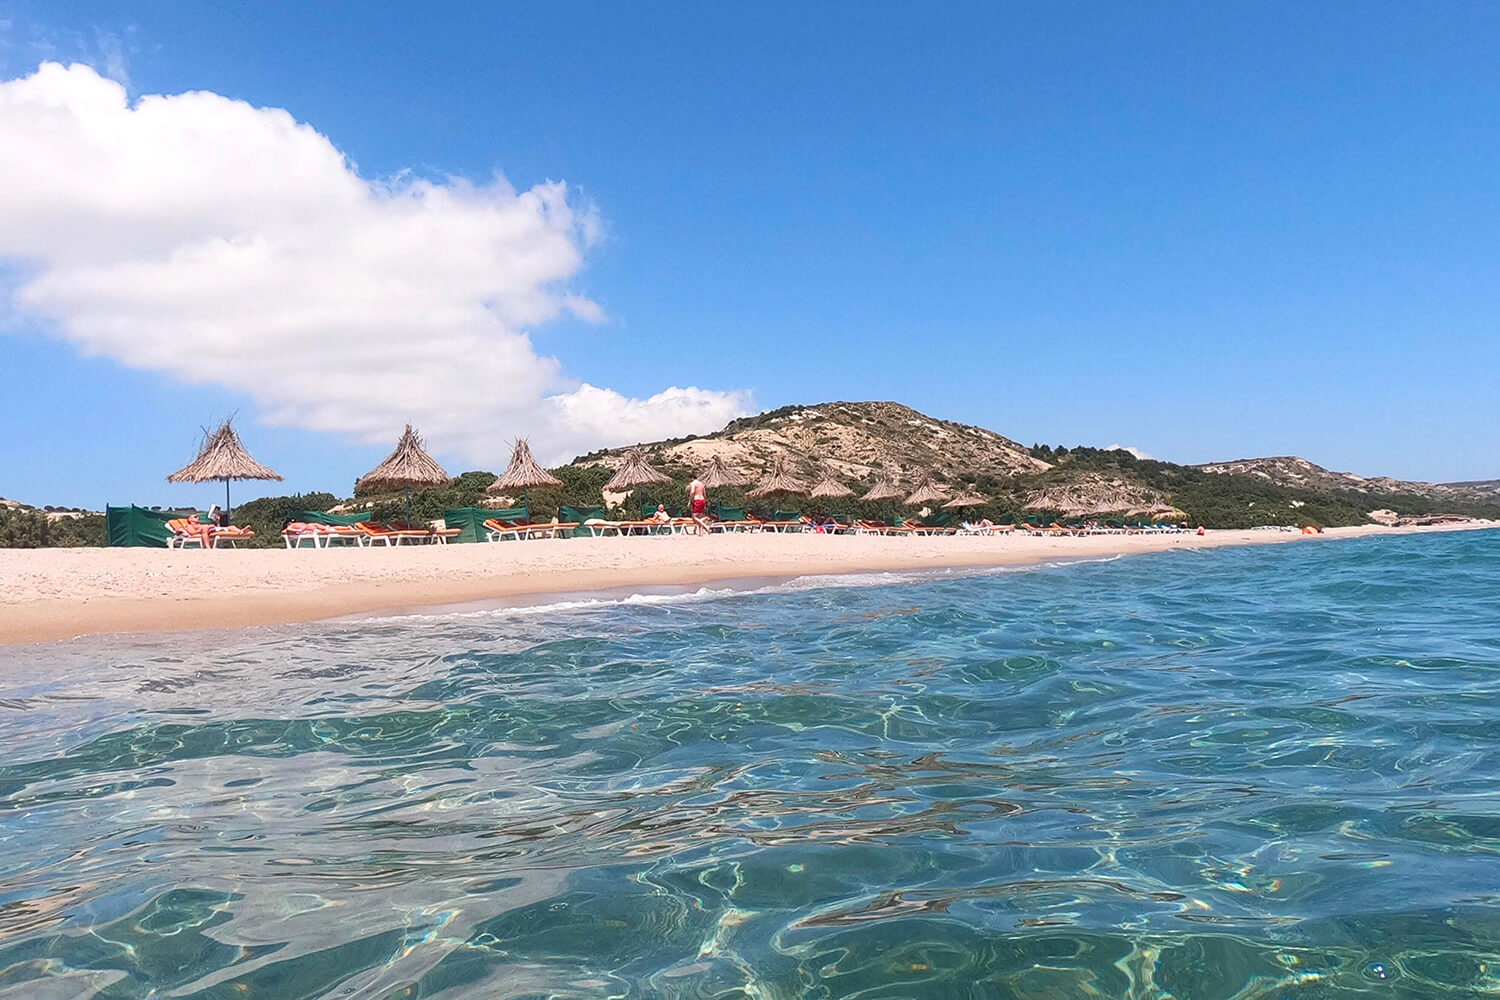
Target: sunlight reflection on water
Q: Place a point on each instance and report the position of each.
(1253, 772)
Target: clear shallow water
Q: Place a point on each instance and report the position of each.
(1267, 772)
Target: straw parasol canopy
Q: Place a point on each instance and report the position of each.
(409, 465)
(1059, 502)
(222, 456)
(1092, 493)
(720, 474)
(828, 486)
(967, 498)
(779, 481)
(925, 493)
(885, 488)
(635, 471)
(523, 474)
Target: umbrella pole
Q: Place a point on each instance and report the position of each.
(228, 511)
(408, 505)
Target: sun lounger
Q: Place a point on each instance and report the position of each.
(642, 527)
(187, 531)
(499, 529)
(726, 520)
(774, 523)
(231, 537)
(731, 527)
(579, 518)
(321, 536)
(917, 527)
(380, 534)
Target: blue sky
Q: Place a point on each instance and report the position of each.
(1206, 231)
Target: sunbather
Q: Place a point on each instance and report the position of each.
(192, 528)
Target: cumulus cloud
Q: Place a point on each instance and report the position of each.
(1133, 451)
(232, 245)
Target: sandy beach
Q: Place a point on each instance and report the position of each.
(50, 594)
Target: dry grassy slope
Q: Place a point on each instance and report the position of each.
(855, 439)
(1289, 470)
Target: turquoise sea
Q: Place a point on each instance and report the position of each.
(1259, 772)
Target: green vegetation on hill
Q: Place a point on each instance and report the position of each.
(1221, 500)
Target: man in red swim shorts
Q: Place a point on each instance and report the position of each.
(698, 498)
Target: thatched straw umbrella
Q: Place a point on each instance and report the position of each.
(720, 474)
(409, 465)
(522, 474)
(885, 488)
(635, 471)
(829, 487)
(1092, 494)
(779, 481)
(925, 493)
(1059, 501)
(967, 498)
(222, 456)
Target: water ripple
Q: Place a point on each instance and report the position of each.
(1247, 773)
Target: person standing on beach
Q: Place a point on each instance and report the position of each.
(698, 503)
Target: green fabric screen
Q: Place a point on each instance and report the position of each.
(138, 527)
(729, 513)
(470, 520)
(322, 517)
(580, 514)
(648, 507)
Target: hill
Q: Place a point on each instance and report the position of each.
(1299, 473)
(855, 439)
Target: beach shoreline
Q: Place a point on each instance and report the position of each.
(57, 594)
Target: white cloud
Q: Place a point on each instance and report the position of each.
(232, 245)
(1134, 451)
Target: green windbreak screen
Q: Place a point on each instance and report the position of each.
(470, 520)
(137, 526)
(579, 515)
(322, 517)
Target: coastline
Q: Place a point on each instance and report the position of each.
(54, 594)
